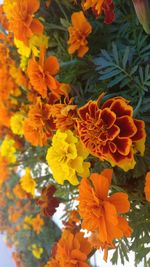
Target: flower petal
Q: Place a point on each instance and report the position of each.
(127, 126)
(120, 201)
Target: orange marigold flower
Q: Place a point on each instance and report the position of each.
(37, 223)
(78, 32)
(101, 212)
(42, 75)
(22, 22)
(4, 171)
(17, 258)
(64, 115)
(147, 187)
(39, 126)
(47, 201)
(19, 192)
(111, 133)
(71, 251)
(99, 6)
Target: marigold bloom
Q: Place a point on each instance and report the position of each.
(99, 211)
(78, 33)
(147, 187)
(42, 74)
(39, 125)
(67, 154)
(28, 184)
(19, 192)
(17, 258)
(37, 223)
(111, 133)
(99, 6)
(37, 251)
(22, 21)
(47, 201)
(16, 123)
(71, 251)
(8, 150)
(64, 116)
(4, 171)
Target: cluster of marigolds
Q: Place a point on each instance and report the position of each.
(48, 117)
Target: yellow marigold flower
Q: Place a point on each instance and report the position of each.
(27, 182)
(37, 223)
(67, 154)
(37, 251)
(35, 42)
(8, 150)
(16, 123)
(27, 222)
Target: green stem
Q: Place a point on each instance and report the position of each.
(62, 10)
(138, 106)
(71, 62)
(56, 27)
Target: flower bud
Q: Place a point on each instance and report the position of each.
(142, 9)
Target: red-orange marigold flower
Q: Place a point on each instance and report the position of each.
(99, 6)
(22, 22)
(147, 187)
(42, 74)
(78, 32)
(99, 211)
(71, 251)
(111, 133)
(47, 201)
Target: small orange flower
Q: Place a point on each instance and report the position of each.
(47, 201)
(42, 74)
(39, 126)
(19, 192)
(101, 212)
(78, 33)
(22, 22)
(4, 171)
(71, 251)
(111, 133)
(37, 223)
(99, 6)
(147, 187)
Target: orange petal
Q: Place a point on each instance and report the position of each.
(52, 65)
(82, 51)
(124, 226)
(79, 20)
(147, 187)
(110, 213)
(36, 26)
(108, 174)
(120, 201)
(101, 185)
(51, 82)
(33, 6)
